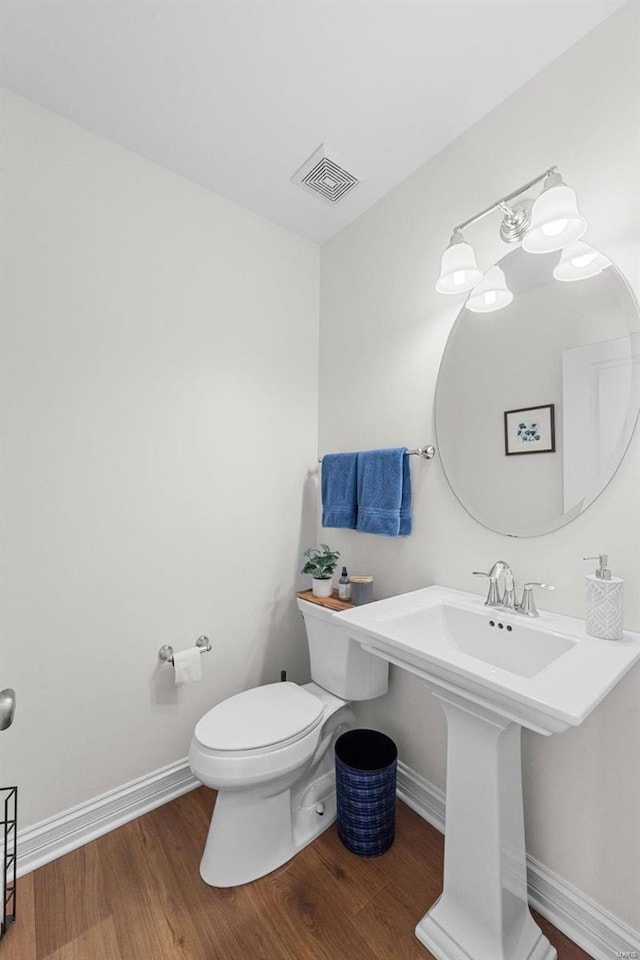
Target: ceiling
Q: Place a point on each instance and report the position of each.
(236, 94)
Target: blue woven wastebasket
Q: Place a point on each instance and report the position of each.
(366, 765)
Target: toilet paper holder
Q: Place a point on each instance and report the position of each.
(166, 652)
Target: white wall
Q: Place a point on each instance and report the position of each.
(383, 331)
(159, 403)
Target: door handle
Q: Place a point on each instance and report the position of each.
(7, 707)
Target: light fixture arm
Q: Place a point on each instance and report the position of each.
(504, 201)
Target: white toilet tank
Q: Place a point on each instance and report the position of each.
(339, 664)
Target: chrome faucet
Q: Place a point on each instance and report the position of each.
(495, 598)
(507, 598)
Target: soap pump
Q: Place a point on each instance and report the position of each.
(603, 602)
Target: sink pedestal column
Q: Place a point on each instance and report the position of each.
(483, 912)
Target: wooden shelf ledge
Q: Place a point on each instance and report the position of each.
(332, 602)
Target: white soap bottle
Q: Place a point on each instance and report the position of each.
(603, 601)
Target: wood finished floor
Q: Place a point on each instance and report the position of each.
(136, 894)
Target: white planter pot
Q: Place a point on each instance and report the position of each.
(321, 588)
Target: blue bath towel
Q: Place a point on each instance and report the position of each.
(339, 490)
(384, 492)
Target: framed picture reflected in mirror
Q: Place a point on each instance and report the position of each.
(530, 430)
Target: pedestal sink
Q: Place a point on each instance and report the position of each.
(493, 672)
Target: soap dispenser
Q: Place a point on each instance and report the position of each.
(603, 599)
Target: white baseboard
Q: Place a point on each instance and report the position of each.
(58, 835)
(588, 924)
(593, 928)
(421, 795)
(583, 920)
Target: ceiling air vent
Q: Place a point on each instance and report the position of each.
(326, 178)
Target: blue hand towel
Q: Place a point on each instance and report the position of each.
(339, 490)
(384, 492)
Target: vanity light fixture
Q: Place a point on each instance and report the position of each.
(491, 293)
(549, 223)
(459, 271)
(555, 220)
(579, 261)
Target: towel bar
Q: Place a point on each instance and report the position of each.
(166, 652)
(428, 452)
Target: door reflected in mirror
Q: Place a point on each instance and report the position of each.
(561, 358)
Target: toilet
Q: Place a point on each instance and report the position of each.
(269, 753)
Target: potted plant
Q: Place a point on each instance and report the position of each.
(321, 563)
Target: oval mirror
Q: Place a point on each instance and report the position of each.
(536, 402)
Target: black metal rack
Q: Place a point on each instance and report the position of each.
(9, 823)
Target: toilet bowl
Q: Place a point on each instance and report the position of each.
(268, 751)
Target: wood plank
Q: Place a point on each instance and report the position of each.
(355, 880)
(72, 880)
(417, 864)
(567, 949)
(19, 942)
(299, 904)
(233, 928)
(332, 602)
(247, 923)
(388, 922)
(97, 943)
(148, 909)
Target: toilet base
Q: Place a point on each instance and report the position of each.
(250, 834)
(256, 829)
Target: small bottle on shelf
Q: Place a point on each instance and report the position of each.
(344, 587)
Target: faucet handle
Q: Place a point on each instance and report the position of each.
(493, 597)
(528, 605)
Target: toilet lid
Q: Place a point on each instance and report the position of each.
(261, 717)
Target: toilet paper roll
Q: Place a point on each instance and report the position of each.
(188, 665)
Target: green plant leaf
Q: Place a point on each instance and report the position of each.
(321, 561)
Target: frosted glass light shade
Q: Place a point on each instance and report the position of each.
(555, 220)
(580, 261)
(491, 293)
(459, 271)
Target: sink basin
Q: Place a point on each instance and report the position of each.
(544, 672)
(519, 647)
(493, 671)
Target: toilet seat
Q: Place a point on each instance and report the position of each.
(259, 720)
